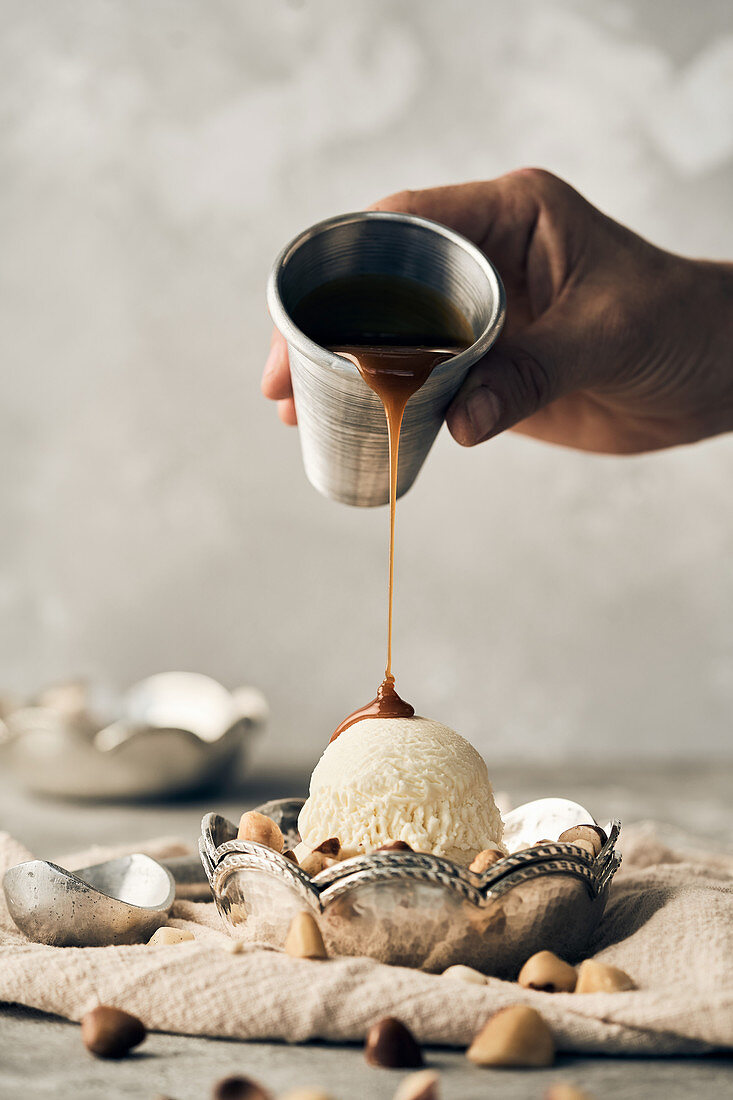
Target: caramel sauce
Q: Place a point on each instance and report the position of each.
(395, 332)
(395, 374)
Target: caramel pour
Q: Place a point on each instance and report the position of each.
(387, 704)
(394, 373)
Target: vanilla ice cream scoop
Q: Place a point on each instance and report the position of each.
(407, 779)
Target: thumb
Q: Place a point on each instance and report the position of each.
(512, 382)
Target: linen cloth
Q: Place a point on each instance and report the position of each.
(668, 923)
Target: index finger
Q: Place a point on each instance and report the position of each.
(499, 215)
(461, 206)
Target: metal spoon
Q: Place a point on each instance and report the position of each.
(120, 901)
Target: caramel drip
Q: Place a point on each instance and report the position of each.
(395, 374)
(387, 704)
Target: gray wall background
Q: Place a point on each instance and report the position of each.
(154, 156)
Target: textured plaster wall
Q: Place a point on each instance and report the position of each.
(154, 155)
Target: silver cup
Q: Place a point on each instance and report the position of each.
(343, 430)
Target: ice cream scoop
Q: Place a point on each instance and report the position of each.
(409, 779)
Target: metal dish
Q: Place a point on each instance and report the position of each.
(173, 733)
(411, 908)
(119, 901)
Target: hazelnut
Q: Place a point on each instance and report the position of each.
(290, 856)
(587, 847)
(547, 972)
(514, 1036)
(111, 1033)
(422, 1085)
(330, 847)
(465, 974)
(591, 834)
(304, 939)
(316, 862)
(389, 1043)
(260, 829)
(484, 860)
(566, 1092)
(597, 977)
(168, 936)
(239, 1088)
(306, 1094)
(395, 846)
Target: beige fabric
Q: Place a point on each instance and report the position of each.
(669, 923)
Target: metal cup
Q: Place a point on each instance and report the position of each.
(343, 429)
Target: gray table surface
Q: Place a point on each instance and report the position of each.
(42, 1056)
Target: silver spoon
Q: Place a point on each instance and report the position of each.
(120, 901)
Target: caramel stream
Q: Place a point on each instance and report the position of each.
(395, 331)
(395, 374)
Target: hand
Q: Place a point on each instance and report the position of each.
(610, 344)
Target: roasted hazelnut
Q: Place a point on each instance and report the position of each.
(514, 1036)
(315, 862)
(591, 834)
(389, 1043)
(306, 1094)
(484, 860)
(422, 1085)
(168, 936)
(395, 846)
(566, 1092)
(111, 1033)
(597, 977)
(330, 847)
(239, 1088)
(547, 972)
(304, 939)
(465, 974)
(260, 829)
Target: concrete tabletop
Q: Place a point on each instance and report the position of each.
(41, 1056)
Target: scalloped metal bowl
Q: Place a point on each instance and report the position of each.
(175, 732)
(411, 908)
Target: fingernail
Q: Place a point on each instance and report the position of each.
(483, 411)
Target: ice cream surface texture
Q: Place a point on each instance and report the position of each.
(408, 779)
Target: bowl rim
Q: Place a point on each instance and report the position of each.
(223, 859)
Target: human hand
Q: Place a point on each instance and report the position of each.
(610, 344)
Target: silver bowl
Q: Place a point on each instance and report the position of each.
(411, 908)
(173, 733)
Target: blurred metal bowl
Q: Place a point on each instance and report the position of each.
(177, 732)
(411, 908)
